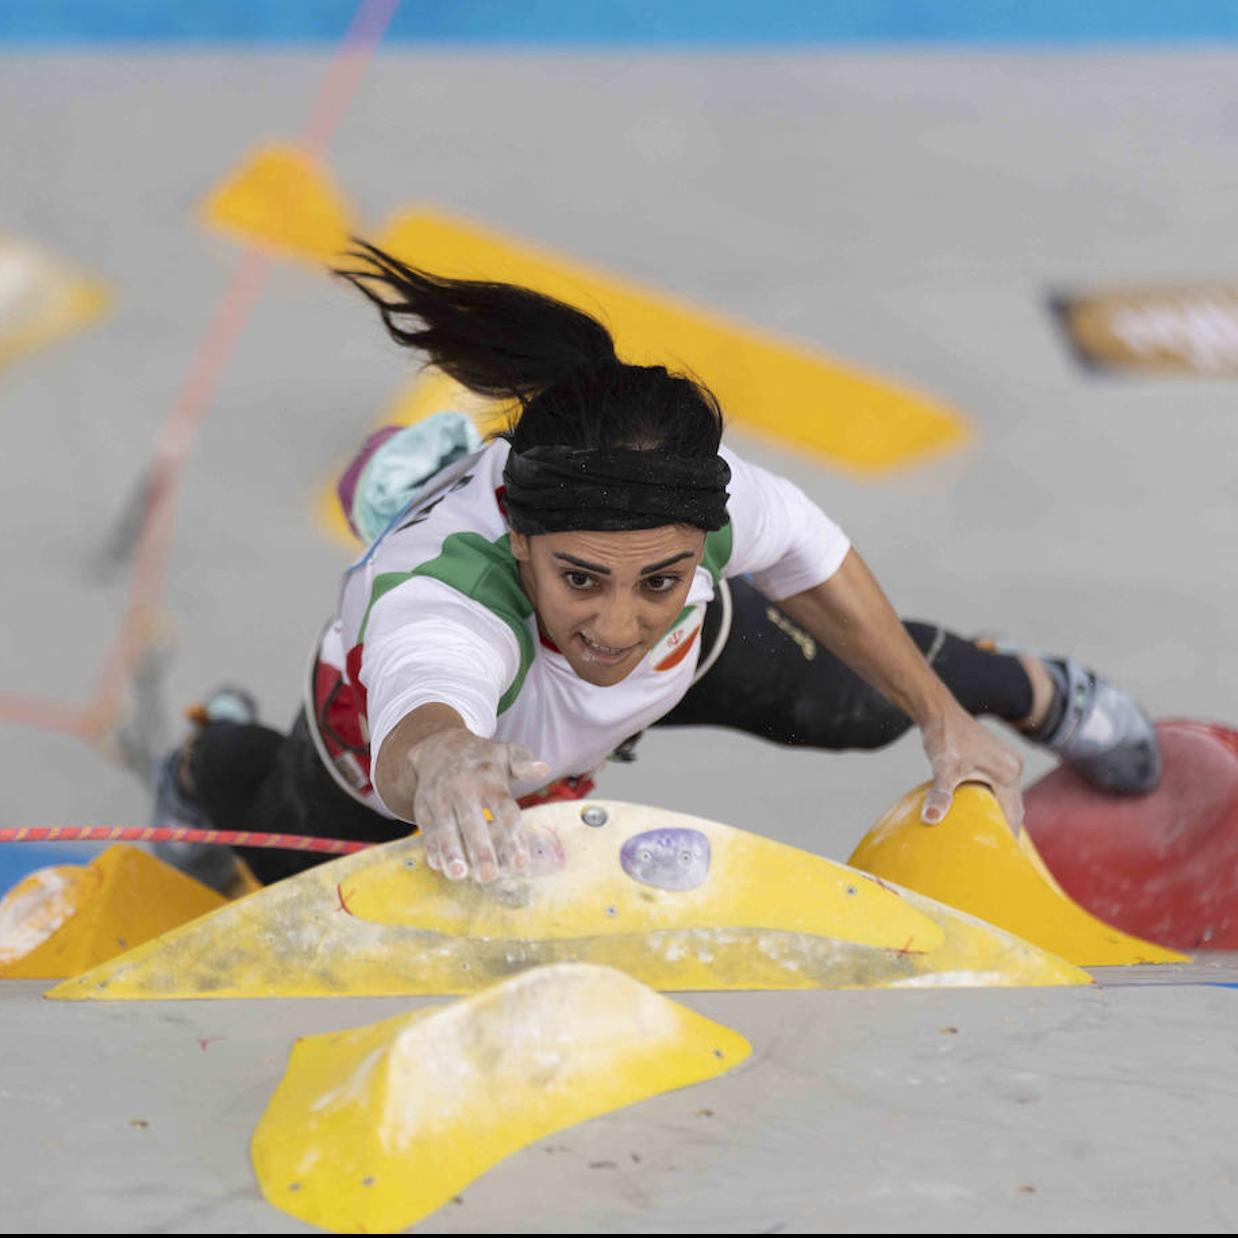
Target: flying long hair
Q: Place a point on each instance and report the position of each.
(556, 363)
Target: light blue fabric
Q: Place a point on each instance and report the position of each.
(403, 466)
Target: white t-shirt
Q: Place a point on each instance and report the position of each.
(434, 612)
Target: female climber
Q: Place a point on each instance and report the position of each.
(603, 566)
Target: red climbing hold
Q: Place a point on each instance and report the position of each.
(1163, 866)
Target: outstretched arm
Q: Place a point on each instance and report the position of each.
(851, 616)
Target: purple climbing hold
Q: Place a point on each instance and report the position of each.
(670, 859)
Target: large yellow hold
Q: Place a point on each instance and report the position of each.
(603, 889)
(372, 1129)
(283, 197)
(62, 921)
(676, 901)
(973, 862)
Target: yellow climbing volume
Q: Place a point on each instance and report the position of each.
(372, 1129)
(676, 901)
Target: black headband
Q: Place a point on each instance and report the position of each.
(556, 489)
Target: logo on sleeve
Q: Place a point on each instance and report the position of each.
(675, 646)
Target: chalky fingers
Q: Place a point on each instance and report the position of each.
(509, 835)
(475, 830)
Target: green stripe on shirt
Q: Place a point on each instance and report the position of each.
(487, 573)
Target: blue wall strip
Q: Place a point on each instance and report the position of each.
(17, 860)
(626, 22)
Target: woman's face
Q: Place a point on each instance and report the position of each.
(605, 599)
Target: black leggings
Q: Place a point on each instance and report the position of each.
(771, 680)
(774, 680)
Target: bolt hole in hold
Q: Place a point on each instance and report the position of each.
(594, 816)
(852, 890)
(673, 858)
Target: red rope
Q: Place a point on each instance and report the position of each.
(178, 834)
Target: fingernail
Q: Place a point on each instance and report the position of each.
(457, 870)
